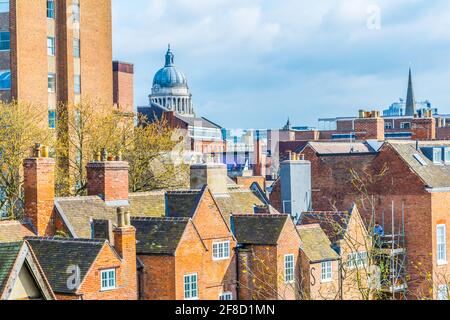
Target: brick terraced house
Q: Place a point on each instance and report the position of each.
(319, 265)
(406, 180)
(268, 257)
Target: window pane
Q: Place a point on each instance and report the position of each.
(5, 80)
(50, 9)
(4, 6)
(76, 48)
(77, 84)
(5, 43)
(51, 82)
(51, 46)
(52, 119)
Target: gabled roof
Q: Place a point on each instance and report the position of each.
(158, 236)
(182, 203)
(258, 229)
(14, 231)
(8, 256)
(333, 148)
(433, 175)
(315, 243)
(78, 212)
(13, 256)
(334, 224)
(59, 256)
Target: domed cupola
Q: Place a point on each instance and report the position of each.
(169, 76)
(170, 88)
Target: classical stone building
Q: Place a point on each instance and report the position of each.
(170, 88)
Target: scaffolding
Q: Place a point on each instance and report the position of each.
(390, 256)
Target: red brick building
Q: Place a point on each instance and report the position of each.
(268, 257)
(404, 179)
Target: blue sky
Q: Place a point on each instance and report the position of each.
(253, 63)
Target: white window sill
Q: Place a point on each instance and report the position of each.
(326, 281)
(221, 259)
(191, 299)
(108, 289)
(442, 263)
(290, 282)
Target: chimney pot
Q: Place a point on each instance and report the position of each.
(120, 217)
(104, 155)
(37, 150)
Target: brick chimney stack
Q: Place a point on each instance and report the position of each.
(108, 180)
(39, 187)
(369, 126)
(125, 245)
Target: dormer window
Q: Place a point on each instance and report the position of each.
(437, 155)
(447, 155)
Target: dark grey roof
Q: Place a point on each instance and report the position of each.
(433, 175)
(158, 236)
(80, 211)
(8, 256)
(56, 256)
(155, 112)
(258, 229)
(182, 203)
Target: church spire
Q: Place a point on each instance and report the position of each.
(169, 57)
(410, 99)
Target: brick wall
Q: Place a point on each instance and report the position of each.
(123, 87)
(108, 179)
(125, 245)
(39, 189)
(369, 128)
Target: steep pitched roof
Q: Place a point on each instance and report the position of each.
(13, 256)
(258, 229)
(334, 224)
(182, 203)
(433, 175)
(238, 201)
(14, 231)
(57, 256)
(315, 243)
(158, 236)
(8, 256)
(78, 212)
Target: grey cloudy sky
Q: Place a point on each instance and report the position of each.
(253, 63)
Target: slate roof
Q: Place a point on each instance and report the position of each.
(81, 210)
(258, 229)
(238, 201)
(433, 175)
(57, 255)
(334, 224)
(158, 236)
(341, 147)
(14, 231)
(182, 203)
(8, 256)
(315, 243)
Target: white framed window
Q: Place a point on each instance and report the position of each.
(441, 235)
(5, 79)
(437, 155)
(108, 279)
(327, 271)
(52, 119)
(226, 296)
(388, 125)
(289, 268)
(51, 82)
(447, 155)
(4, 6)
(442, 293)
(357, 260)
(51, 46)
(50, 9)
(221, 250)
(405, 125)
(191, 287)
